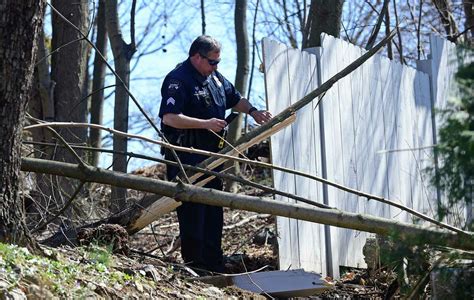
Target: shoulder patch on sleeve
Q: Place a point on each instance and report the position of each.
(173, 86)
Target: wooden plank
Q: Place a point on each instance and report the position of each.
(308, 234)
(404, 158)
(298, 88)
(378, 74)
(426, 156)
(391, 108)
(165, 205)
(332, 133)
(277, 87)
(313, 247)
(350, 241)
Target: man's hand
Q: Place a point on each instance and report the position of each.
(215, 125)
(261, 116)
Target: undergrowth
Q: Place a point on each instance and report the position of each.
(63, 276)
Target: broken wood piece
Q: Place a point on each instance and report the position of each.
(165, 205)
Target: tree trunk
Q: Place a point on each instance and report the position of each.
(97, 100)
(241, 76)
(68, 72)
(122, 54)
(20, 23)
(203, 18)
(469, 13)
(325, 16)
(41, 104)
(446, 15)
(68, 68)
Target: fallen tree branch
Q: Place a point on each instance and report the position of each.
(169, 204)
(413, 234)
(222, 175)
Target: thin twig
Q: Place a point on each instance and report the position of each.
(399, 35)
(66, 144)
(61, 211)
(225, 176)
(375, 32)
(57, 50)
(271, 166)
(418, 31)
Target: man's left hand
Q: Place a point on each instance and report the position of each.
(261, 116)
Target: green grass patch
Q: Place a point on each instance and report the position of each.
(76, 275)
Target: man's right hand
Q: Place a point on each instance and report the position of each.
(215, 124)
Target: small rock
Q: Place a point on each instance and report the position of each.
(215, 292)
(151, 272)
(91, 286)
(37, 292)
(139, 287)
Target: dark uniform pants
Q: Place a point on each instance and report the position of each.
(200, 227)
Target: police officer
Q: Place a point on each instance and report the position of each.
(195, 97)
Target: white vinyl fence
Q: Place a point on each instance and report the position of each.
(349, 138)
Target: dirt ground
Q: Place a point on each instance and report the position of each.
(249, 242)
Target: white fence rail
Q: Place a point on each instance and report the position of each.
(348, 138)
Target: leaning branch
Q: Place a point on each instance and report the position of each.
(285, 114)
(183, 192)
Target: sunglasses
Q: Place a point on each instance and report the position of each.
(212, 62)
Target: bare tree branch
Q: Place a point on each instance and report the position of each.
(189, 193)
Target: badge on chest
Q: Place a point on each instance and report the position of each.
(202, 94)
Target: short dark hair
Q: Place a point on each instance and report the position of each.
(204, 44)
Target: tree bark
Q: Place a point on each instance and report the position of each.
(68, 68)
(122, 54)
(20, 23)
(97, 99)
(409, 233)
(203, 18)
(41, 105)
(446, 15)
(68, 73)
(325, 16)
(241, 76)
(469, 13)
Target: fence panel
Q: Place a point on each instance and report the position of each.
(377, 128)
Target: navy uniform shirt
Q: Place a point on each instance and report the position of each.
(185, 91)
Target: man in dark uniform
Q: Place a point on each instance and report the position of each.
(195, 98)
